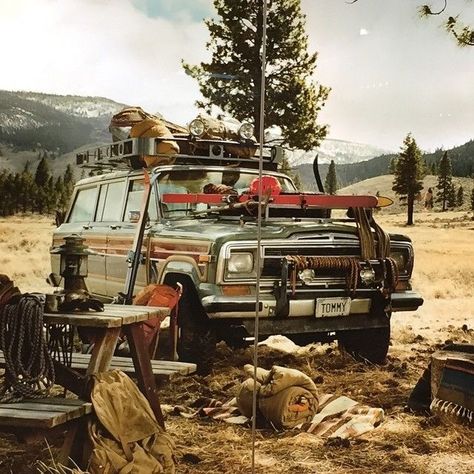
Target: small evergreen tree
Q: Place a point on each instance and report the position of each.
(472, 199)
(460, 196)
(409, 174)
(330, 184)
(42, 173)
(451, 201)
(444, 185)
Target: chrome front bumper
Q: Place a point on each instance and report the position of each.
(244, 307)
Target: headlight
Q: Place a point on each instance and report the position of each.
(197, 128)
(240, 262)
(402, 259)
(246, 131)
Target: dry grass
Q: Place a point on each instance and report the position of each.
(404, 443)
(24, 250)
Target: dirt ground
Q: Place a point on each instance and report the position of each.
(404, 443)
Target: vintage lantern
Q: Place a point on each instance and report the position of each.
(73, 268)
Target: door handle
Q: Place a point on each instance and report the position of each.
(114, 226)
(86, 227)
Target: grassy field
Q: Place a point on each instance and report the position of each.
(404, 443)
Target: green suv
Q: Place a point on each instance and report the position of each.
(315, 279)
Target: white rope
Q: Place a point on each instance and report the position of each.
(259, 227)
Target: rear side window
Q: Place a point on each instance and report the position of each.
(112, 202)
(84, 205)
(136, 189)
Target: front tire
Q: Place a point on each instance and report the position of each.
(197, 345)
(367, 344)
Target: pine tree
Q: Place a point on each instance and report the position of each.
(42, 173)
(451, 200)
(444, 180)
(232, 79)
(460, 196)
(27, 189)
(330, 184)
(408, 177)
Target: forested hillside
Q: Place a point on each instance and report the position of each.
(462, 159)
(57, 124)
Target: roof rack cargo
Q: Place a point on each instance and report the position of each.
(130, 153)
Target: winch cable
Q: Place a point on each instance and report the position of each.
(348, 266)
(29, 368)
(259, 226)
(380, 249)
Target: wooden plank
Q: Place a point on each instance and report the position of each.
(44, 413)
(112, 316)
(18, 418)
(159, 367)
(93, 320)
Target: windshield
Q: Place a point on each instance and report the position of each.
(194, 180)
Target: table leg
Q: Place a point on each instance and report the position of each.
(104, 348)
(143, 370)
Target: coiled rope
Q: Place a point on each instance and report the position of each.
(350, 266)
(29, 369)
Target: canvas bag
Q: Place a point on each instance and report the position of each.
(126, 439)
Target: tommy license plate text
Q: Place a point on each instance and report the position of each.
(327, 307)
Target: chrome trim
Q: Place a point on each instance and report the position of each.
(324, 240)
(298, 308)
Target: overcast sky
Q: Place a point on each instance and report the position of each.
(390, 71)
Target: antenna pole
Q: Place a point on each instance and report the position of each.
(259, 227)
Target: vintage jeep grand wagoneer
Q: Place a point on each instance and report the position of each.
(320, 278)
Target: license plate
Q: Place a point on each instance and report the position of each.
(327, 307)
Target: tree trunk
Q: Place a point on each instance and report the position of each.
(410, 202)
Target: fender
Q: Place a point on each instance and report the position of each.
(184, 265)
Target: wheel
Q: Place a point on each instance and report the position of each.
(197, 344)
(196, 337)
(367, 344)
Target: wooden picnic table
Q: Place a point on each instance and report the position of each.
(105, 328)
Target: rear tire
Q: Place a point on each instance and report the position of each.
(367, 344)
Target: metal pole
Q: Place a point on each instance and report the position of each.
(259, 227)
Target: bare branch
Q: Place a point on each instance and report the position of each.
(426, 10)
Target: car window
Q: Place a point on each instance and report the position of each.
(113, 202)
(100, 206)
(195, 180)
(136, 189)
(84, 205)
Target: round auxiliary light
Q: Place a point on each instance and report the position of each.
(246, 131)
(197, 128)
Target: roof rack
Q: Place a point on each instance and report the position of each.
(130, 153)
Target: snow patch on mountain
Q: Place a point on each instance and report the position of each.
(341, 151)
(87, 107)
(18, 119)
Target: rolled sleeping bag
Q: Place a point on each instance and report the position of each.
(289, 407)
(245, 397)
(155, 128)
(286, 398)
